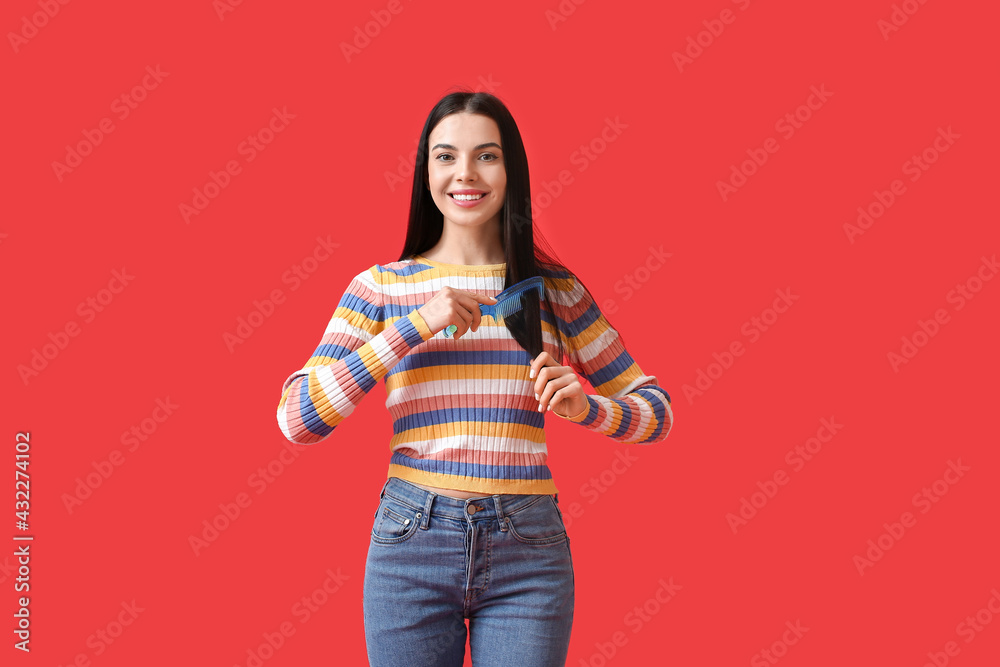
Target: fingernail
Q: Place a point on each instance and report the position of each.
(539, 407)
(536, 397)
(531, 374)
(550, 407)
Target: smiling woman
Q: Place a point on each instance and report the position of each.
(468, 524)
(467, 185)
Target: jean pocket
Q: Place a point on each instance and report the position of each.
(538, 523)
(394, 522)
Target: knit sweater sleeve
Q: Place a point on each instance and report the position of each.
(359, 347)
(630, 407)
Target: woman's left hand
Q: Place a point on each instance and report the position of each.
(557, 386)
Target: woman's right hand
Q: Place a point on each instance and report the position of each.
(454, 306)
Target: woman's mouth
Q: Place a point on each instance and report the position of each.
(467, 201)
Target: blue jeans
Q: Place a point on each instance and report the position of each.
(501, 561)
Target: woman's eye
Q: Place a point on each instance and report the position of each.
(492, 157)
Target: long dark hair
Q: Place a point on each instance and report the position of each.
(524, 256)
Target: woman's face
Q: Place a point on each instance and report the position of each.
(466, 155)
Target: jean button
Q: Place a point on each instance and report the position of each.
(472, 509)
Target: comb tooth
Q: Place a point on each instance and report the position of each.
(505, 308)
(509, 300)
(512, 305)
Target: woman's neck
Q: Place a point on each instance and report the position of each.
(468, 253)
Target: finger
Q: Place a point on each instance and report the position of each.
(462, 322)
(477, 317)
(474, 298)
(549, 372)
(546, 385)
(556, 397)
(470, 301)
(548, 393)
(566, 393)
(543, 359)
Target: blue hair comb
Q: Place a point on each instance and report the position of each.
(508, 301)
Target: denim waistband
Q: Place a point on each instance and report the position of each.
(487, 506)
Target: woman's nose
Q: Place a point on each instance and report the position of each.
(466, 170)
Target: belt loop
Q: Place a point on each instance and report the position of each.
(425, 519)
(382, 492)
(557, 497)
(500, 516)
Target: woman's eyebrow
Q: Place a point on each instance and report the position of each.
(452, 148)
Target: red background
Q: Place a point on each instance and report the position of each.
(655, 185)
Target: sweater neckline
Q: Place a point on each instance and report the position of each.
(463, 268)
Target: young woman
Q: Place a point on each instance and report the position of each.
(468, 524)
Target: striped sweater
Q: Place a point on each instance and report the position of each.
(464, 415)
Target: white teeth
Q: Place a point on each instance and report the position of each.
(467, 197)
